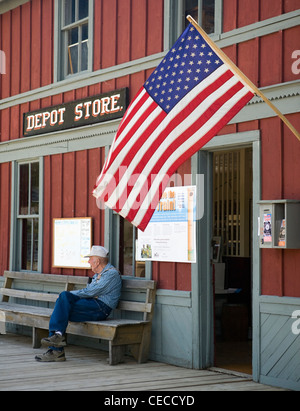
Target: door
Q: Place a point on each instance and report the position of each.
(232, 258)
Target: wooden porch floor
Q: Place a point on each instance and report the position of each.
(87, 369)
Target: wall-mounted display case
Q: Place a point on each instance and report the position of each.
(279, 224)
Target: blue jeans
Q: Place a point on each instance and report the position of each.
(70, 307)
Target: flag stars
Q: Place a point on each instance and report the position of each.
(180, 70)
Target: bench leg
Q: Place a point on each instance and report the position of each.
(37, 335)
(2, 322)
(140, 351)
(2, 327)
(116, 353)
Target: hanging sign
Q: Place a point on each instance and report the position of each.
(91, 110)
(171, 232)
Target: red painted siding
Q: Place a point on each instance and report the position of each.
(237, 13)
(68, 182)
(126, 30)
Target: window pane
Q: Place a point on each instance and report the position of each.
(73, 51)
(69, 12)
(73, 60)
(127, 248)
(73, 36)
(23, 189)
(85, 32)
(26, 244)
(84, 56)
(208, 16)
(34, 208)
(83, 9)
(35, 244)
(191, 8)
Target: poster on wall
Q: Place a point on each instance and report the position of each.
(72, 240)
(171, 232)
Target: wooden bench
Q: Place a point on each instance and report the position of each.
(121, 333)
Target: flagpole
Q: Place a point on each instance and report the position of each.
(242, 76)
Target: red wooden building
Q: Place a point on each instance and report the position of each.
(58, 52)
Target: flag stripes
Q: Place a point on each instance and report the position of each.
(152, 143)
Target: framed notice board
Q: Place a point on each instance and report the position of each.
(72, 240)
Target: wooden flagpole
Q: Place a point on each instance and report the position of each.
(242, 76)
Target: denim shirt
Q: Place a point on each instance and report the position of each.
(107, 289)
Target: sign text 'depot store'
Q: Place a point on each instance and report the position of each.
(100, 108)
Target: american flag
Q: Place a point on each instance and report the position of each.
(190, 96)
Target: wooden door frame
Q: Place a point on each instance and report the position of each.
(202, 289)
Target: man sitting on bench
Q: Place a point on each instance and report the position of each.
(93, 303)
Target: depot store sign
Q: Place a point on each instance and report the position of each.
(104, 107)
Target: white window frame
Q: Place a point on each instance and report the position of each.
(60, 49)
(15, 237)
(174, 20)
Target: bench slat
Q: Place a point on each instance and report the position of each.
(138, 283)
(29, 295)
(51, 278)
(134, 306)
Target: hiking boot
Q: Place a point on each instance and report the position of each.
(51, 356)
(55, 340)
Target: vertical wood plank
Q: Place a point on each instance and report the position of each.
(36, 36)
(270, 8)
(290, 44)
(154, 26)
(248, 12)
(97, 35)
(230, 15)
(124, 31)
(271, 59)
(248, 59)
(26, 47)
(68, 186)
(6, 48)
(47, 42)
(16, 51)
(139, 28)
(81, 184)
(109, 33)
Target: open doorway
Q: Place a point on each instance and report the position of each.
(232, 258)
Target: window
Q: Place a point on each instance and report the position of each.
(206, 12)
(75, 37)
(28, 216)
(232, 201)
(127, 262)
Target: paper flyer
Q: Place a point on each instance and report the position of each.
(170, 234)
